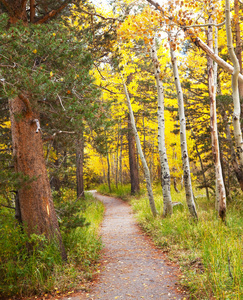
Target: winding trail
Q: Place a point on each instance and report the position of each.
(132, 268)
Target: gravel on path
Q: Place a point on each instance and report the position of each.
(131, 267)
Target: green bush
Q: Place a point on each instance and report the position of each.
(32, 265)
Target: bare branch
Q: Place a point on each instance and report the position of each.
(60, 99)
(200, 44)
(37, 125)
(103, 88)
(98, 15)
(7, 206)
(99, 71)
(8, 66)
(205, 25)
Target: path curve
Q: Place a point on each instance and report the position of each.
(132, 268)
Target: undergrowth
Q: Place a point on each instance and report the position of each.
(121, 191)
(25, 272)
(209, 252)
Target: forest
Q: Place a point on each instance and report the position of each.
(141, 100)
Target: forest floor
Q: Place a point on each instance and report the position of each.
(131, 266)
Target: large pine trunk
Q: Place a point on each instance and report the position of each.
(35, 198)
(132, 159)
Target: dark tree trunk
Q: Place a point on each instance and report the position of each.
(132, 160)
(17, 208)
(120, 160)
(175, 186)
(79, 166)
(35, 198)
(108, 171)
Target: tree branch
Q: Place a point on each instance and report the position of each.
(7, 206)
(200, 44)
(204, 25)
(51, 14)
(26, 101)
(32, 11)
(98, 15)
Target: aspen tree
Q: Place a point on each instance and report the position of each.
(220, 188)
(184, 152)
(140, 151)
(235, 90)
(227, 67)
(165, 171)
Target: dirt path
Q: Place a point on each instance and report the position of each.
(132, 268)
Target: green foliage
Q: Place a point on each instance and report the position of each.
(24, 267)
(38, 268)
(121, 191)
(69, 211)
(82, 244)
(209, 252)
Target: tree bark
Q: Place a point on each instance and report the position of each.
(238, 48)
(165, 171)
(80, 166)
(220, 188)
(35, 198)
(120, 162)
(184, 153)
(139, 147)
(202, 167)
(108, 171)
(200, 44)
(134, 176)
(235, 90)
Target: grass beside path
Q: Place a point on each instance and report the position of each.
(210, 253)
(41, 271)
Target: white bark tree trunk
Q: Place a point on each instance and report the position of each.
(220, 188)
(184, 152)
(235, 76)
(140, 151)
(165, 171)
(200, 44)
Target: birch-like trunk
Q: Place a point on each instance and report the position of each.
(200, 44)
(220, 188)
(235, 90)
(184, 153)
(238, 42)
(165, 171)
(140, 151)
